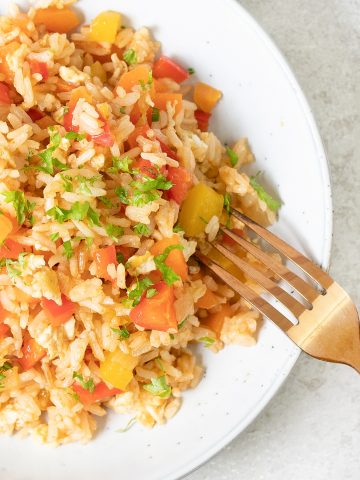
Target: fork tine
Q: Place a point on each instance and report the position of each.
(307, 291)
(295, 307)
(252, 297)
(295, 256)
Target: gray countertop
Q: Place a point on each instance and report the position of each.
(311, 428)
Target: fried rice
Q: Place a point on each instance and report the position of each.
(100, 293)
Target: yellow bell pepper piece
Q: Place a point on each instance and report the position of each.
(6, 227)
(97, 70)
(105, 26)
(206, 97)
(117, 369)
(200, 205)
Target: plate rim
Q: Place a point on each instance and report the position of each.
(324, 165)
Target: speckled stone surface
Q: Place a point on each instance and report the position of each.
(311, 428)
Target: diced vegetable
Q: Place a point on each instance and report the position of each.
(117, 368)
(166, 149)
(62, 86)
(101, 392)
(206, 97)
(215, 321)
(35, 114)
(8, 49)
(105, 139)
(165, 67)
(76, 94)
(6, 227)
(139, 131)
(60, 20)
(202, 119)
(157, 312)
(104, 257)
(45, 122)
(182, 183)
(4, 94)
(39, 67)
(161, 99)
(208, 300)
(104, 27)
(32, 353)
(12, 249)
(134, 77)
(200, 205)
(58, 314)
(175, 258)
(97, 70)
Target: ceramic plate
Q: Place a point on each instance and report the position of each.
(263, 101)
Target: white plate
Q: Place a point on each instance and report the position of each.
(263, 101)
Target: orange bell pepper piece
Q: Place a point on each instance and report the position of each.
(206, 96)
(215, 321)
(100, 392)
(161, 99)
(58, 314)
(32, 353)
(134, 77)
(175, 259)
(60, 20)
(208, 300)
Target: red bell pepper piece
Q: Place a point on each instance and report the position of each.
(100, 392)
(165, 67)
(105, 139)
(169, 152)
(34, 114)
(202, 120)
(58, 314)
(39, 67)
(157, 312)
(32, 353)
(4, 94)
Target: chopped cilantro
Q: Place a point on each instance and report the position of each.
(155, 116)
(75, 136)
(160, 364)
(67, 182)
(191, 71)
(130, 56)
(167, 272)
(158, 387)
(207, 341)
(106, 201)
(120, 165)
(89, 241)
(177, 229)
(182, 323)
(69, 252)
(172, 336)
(232, 156)
(114, 232)
(5, 367)
(48, 162)
(93, 217)
(79, 211)
(158, 183)
(123, 110)
(139, 199)
(151, 292)
(271, 202)
(141, 229)
(87, 385)
(54, 236)
(23, 207)
(122, 332)
(136, 294)
(84, 183)
(227, 206)
(123, 195)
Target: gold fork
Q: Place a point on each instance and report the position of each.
(327, 329)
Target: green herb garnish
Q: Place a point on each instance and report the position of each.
(87, 385)
(151, 293)
(158, 387)
(271, 202)
(22, 206)
(122, 332)
(48, 162)
(114, 232)
(106, 201)
(227, 206)
(120, 165)
(75, 136)
(5, 367)
(54, 236)
(79, 211)
(191, 71)
(167, 272)
(68, 250)
(207, 341)
(130, 56)
(141, 229)
(141, 286)
(155, 116)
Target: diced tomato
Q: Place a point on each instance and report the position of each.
(12, 249)
(136, 115)
(175, 259)
(105, 139)
(161, 100)
(157, 312)
(4, 94)
(35, 114)
(67, 121)
(202, 119)
(139, 131)
(58, 314)
(39, 67)
(165, 67)
(147, 168)
(228, 240)
(104, 257)
(32, 353)
(182, 183)
(100, 392)
(4, 329)
(170, 153)
(76, 94)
